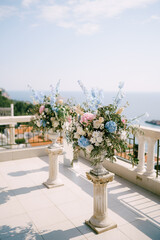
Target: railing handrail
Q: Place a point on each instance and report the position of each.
(15, 119)
(150, 132)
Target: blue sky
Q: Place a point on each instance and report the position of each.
(100, 42)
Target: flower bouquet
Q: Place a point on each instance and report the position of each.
(50, 112)
(100, 131)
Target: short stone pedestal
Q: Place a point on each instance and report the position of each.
(100, 222)
(54, 180)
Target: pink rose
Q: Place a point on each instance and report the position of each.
(87, 117)
(41, 109)
(69, 119)
(123, 120)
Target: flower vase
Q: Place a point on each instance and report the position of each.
(98, 169)
(53, 137)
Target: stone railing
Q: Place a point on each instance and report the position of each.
(7, 111)
(12, 121)
(149, 137)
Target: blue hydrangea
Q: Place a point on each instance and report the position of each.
(111, 126)
(83, 142)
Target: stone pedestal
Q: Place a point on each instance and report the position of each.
(100, 222)
(54, 180)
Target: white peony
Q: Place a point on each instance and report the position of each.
(80, 131)
(95, 134)
(76, 135)
(38, 123)
(123, 135)
(92, 140)
(89, 148)
(97, 144)
(101, 119)
(96, 124)
(55, 124)
(99, 139)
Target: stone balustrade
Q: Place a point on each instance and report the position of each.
(12, 121)
(149, 137)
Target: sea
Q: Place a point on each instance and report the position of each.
(144, 104)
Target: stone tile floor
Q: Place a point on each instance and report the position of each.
(29, 211)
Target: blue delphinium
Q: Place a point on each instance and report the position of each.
(57, 87)
(111, 126)
(83, 142)
(55, 109)
(42, 123)
(93, 97)
(121, 85)
(54, 93)
(120, 94)
(38, 97)
(41, 97)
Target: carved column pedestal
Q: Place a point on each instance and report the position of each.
(100, 222)
(54, 180)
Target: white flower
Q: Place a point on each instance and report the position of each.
(92, 140)
(102, 126)
(96, 144)
(95, 134)
(76, 135)
(101, 119)
(60, 101)
(80, 131)
(55, 124)
(38, 123)
(108, 143)
(123, 135)
(99, 139)
(46, 109)
(120, 110)
(96, 124)
(89, 148)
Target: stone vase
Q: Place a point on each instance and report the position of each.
(98, 169)
(53, 137)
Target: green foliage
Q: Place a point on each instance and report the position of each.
(20, 107)
(134, 157)
(5, 102)
(20, 141)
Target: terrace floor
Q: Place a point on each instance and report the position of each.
(29, 211)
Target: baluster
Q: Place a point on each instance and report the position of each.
(141, 154)
(150, 158)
